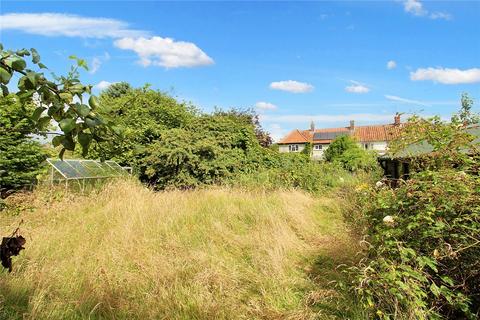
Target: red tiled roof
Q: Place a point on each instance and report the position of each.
(295, 136)
(384, 132)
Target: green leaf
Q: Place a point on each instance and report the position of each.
(82, 110)
(67, 125)
(19, 64)
(93, 102)
(68, 143)
(43, 122)
(82, 63)
(76, 88)
(57, 140)
(35, 56)
(1, 46)
(42, 66)
(92, 122)
(5, 76)
(4, 90)
(23, 52)
(84, 139)
(435, 289)
(32, 77)
(66, 96)
(37, 113)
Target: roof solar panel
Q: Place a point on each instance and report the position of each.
(328, 135)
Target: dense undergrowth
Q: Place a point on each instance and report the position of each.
(422, 239)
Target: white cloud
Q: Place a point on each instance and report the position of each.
(69, 25)
(97, 62)
(391, 65)
(276, 131)
(403, 100)
(95, 65)
(440, 15)
(416, 8)
(152, 51)
(291, 86)
(357, 87)
(165, 52)
(102, 85)
(265, 105)
(446, 75)
(325, 118)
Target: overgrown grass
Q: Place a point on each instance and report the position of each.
(220, 253)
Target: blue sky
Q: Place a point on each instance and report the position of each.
(294, 61)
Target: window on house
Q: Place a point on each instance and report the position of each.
(293, 148)
(367, 146)
(317, 147)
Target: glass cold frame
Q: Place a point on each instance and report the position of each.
(86, 169)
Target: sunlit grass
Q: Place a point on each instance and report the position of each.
(219, 253)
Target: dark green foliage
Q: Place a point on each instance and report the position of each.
(248, 117)
(345, 151)
(140, 116)
(117, 90)
(171, 144)
(208, 150)
(20, 156)
(308, 149)
(338, 147)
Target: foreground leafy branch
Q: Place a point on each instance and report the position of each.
(59, 100)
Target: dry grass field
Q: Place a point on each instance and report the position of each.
(129, 253)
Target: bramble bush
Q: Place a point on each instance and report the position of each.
(423, 247)
(423, 238)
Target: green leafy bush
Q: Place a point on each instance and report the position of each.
(345, 151)
(20, 156)
(423, 247)
(210, 149)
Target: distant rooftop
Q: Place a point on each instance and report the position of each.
(369, 133)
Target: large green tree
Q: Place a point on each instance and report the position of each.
(139, 116)
(20, 156)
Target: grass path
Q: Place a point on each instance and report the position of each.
(129, 253)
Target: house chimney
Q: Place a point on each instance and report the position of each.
(397, 119)
(312, 126)
(352, 125)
